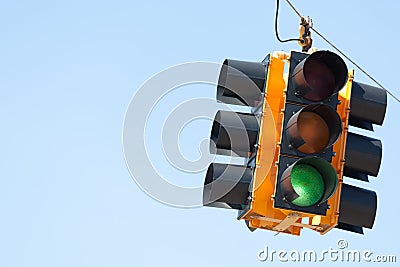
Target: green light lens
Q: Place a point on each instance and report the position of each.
(308, 183)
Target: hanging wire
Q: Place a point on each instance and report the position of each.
(276, 28)
(343, 54)
(294, 9)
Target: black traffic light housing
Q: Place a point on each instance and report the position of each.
(296, 169)
(363, 157)
(235, 134)
(311, 126)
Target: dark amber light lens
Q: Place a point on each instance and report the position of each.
(314, 130)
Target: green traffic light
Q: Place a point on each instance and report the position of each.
(308, 184)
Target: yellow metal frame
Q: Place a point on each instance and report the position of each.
(262, 213)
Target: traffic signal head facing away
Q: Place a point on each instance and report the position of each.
(295, 144)
(241, 83)
(234, 134)
(363, 157)
(227, 186)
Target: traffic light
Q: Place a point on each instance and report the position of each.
(295, 143)
(362, 157)
(235, 134)
(311, 126)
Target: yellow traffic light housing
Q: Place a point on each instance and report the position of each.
(295, 144)
(304, 180)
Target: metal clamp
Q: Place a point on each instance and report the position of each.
(305, 33)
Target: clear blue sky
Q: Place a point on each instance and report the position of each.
(68, 70)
